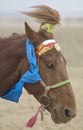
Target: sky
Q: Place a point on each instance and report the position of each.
(63, 6)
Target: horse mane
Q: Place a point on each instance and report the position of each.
(13, 36)
(44, 14)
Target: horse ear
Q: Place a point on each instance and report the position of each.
(31, 34)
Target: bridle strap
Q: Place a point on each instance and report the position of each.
(62, 83)
(45, 46)
(47, 88)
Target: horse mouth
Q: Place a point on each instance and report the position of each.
(59, 118)
(55, 117)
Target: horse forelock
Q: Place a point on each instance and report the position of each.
(45, 14)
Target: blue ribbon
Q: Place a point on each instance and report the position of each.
(30, 76)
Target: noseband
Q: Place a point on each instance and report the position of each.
(43, 48)
(45, 97)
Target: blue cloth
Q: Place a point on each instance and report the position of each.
(30, 76)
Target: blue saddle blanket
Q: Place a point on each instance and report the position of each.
(30, 76)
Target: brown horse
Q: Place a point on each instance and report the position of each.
(52, 66)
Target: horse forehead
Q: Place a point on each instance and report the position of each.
(51, 54)
(55, 57)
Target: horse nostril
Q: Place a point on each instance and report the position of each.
(68, 113)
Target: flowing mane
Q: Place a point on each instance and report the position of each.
(45, 14)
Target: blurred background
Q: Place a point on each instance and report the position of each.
(70, 37)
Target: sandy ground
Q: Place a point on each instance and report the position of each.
(14, 116)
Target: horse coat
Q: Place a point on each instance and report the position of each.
(30, 76)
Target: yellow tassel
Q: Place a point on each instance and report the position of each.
(48, 27)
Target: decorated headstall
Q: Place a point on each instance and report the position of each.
(46, 46)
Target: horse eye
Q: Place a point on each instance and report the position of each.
(50, 65)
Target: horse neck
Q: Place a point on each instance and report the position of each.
(12, 51)
(12, 48)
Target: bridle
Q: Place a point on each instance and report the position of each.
(41, 49)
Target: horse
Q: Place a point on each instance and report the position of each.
(59, 100)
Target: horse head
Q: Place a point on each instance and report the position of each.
(52, 67)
